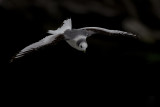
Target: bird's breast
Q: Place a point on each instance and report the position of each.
(72, 43)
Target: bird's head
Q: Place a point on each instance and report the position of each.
(83, 46)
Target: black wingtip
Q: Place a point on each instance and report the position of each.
(16, 56)
(12, 60)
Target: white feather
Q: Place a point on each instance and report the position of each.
(45, 41)
(67, 24)
(109, 31)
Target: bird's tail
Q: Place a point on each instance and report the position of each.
(67, 24)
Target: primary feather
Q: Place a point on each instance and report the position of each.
(107, 31)
(35, 46)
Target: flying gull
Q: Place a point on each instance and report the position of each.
(76, 38)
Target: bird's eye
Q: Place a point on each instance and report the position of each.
(81, 46)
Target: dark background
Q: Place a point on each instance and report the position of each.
(24, 22)
(118, 61)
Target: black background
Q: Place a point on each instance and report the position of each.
(117, 62)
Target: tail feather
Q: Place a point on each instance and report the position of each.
(67, 24)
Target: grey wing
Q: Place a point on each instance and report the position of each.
(43, 42)
(94, 30)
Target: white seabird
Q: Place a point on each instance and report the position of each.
(76, 38)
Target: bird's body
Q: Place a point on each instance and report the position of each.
(74, 42)
(76, 38)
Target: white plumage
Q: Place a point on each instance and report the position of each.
(76, 38)
(67, 24)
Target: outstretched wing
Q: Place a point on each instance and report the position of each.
(52, 39)
(56, 35)
(106, 31)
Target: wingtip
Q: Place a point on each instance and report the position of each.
(134, 35)
(12, 60)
